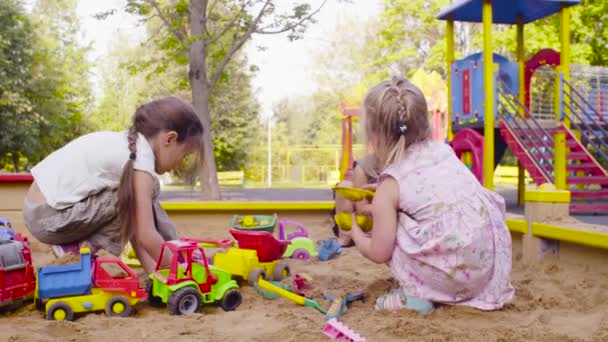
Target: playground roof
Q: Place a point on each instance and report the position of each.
(504, 11)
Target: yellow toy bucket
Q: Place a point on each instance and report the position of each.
(353, 194)
(344, 221)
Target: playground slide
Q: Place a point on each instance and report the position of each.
(532, 144)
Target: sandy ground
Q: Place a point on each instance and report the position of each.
(554, 302)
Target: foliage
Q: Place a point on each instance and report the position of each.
(15, 108)
(43, 94)
(208, 36)
(129, 80)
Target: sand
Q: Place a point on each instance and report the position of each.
(554, 301)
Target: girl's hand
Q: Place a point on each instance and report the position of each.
(370, 186)
(364, 208)
(355, 230)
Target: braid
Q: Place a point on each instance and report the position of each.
(403, 112)
(132, 139)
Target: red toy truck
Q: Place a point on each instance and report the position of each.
(104, 284)
(17, 274)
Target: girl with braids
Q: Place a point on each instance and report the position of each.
(442, 234)
(102, 188)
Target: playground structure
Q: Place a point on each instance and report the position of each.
(563, 141)
(349, 115)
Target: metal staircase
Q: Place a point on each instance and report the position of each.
(531, 141)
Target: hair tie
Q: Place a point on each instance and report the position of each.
(401, 128)
(132, 156)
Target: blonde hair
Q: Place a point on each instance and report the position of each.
(396, 117)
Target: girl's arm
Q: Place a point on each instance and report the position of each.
(146, 241)
(359, 180)
(147, 262)
(379, 248)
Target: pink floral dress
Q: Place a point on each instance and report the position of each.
(453, 245)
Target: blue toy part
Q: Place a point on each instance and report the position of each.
(66, 280)
(467, 88)
(6, 230)
(338, 309)
(328, 249)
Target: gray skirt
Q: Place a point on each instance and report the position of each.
(94, 219)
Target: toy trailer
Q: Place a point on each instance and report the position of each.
(106, 284)
(17, 275)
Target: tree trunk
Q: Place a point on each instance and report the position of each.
(200, 98)
(15, 158)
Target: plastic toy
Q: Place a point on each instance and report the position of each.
(339, 331)
(301, 282)
(339, 303)
(129, 257)
(345, 221)
(106, 284)
(265, 285)
(328, 249)
(354, 194)
(269, 294)
(301, 246)
(254, 222)
(257, 255)
(6, 231)
(17, 274)
(190, 281)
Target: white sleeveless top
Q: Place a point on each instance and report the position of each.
(88, 165)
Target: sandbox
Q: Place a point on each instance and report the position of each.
(561, 297)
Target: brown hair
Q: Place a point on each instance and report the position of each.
(396, 115)
(166, 114)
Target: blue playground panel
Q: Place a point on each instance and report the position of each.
(467, 88)
(65, 280)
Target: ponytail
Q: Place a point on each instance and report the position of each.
(126, 189)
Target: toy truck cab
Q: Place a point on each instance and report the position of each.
(189, 280)
(6, 230)
(106, 284)
(17, 275)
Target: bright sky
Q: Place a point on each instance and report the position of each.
(284, 66)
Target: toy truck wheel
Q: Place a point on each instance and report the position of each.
(153, 300)
(254, 275)
(184, 301)
(281, 271)
(118, 306)
(301, 254)
(60, 312)
(231, 300)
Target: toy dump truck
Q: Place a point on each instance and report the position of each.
(258, 254)
(17, 274)
(189, 280)
(105, 284)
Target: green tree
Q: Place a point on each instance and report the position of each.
(15, 108)
(410, 38)
(208, 36)
(60, 90)
(125, 87)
